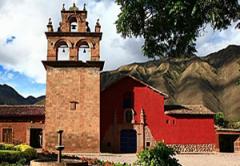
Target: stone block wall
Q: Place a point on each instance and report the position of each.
(80, 87)
(237, 145)
(193, 148)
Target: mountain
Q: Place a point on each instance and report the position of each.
(10, 96)
(210, 80)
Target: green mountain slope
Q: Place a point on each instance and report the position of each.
(8, 96)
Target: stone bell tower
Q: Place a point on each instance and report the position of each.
(73, 83)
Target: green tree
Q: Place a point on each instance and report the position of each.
(219, 119)
(159, 155)
(170, 27)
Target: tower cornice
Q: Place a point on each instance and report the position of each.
(74, 34)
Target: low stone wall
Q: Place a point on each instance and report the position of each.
(193, 148)
(54, 163)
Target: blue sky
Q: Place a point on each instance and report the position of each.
(22, 83)
(23, 44)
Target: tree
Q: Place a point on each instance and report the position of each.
(159, 155)
(170, 27)
(219, 119)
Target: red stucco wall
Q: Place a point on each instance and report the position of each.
(178, 130)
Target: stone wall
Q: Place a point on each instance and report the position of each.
(193, 148)
(237, 145)
(149, 140)
(67, 87)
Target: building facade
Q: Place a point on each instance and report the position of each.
(125, 117)
(22, 124)
(73, 83)
(136, 118)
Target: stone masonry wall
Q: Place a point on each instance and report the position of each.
(193, 148)
(81, 126)
(237, 145)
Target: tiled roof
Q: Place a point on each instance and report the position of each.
(141, 82)
(187, 110)
(11, 111)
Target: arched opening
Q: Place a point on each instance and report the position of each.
(62, 51)
(84, 51)
(73, 24)
(128, 100)
(129, 116)
(128, 141)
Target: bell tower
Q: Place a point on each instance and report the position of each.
(73, 83)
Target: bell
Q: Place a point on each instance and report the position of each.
(74, 26)
(84, 51)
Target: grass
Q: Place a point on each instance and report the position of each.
(9, 151)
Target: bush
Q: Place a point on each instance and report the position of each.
(16, 154)
(159, 155)
(7, 147)
(10, 156)
(27, 151)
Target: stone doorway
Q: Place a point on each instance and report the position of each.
(36, 138)
(128, 141)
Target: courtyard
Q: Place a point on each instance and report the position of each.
(206, 159)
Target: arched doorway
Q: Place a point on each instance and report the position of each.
(128, 141)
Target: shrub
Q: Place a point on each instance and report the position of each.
(10, 156)
(27, 151)
(159, 155)
(18, 154)
(7, 147)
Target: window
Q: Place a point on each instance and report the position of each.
(129, 116)
(174, 122)
(127, 100)
(167, 121)
(73, 105)
(7, 135)
(148, 144)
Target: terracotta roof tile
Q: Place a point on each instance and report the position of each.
(187, 110)
(10, 111)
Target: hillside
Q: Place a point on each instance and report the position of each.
(9, 96)
(210, 81)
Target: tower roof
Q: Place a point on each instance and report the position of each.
(73, 8)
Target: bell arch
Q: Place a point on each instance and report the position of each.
(84, 50)
(62, 48)
(73, 23)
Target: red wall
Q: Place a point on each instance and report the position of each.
(184, 129)
(20, 130)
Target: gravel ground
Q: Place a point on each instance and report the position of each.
(215, 159)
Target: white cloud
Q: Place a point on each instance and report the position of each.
(6, 76)
(27, 19)
(212, 41)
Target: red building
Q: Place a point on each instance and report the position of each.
(22, 124)
(133, 117)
